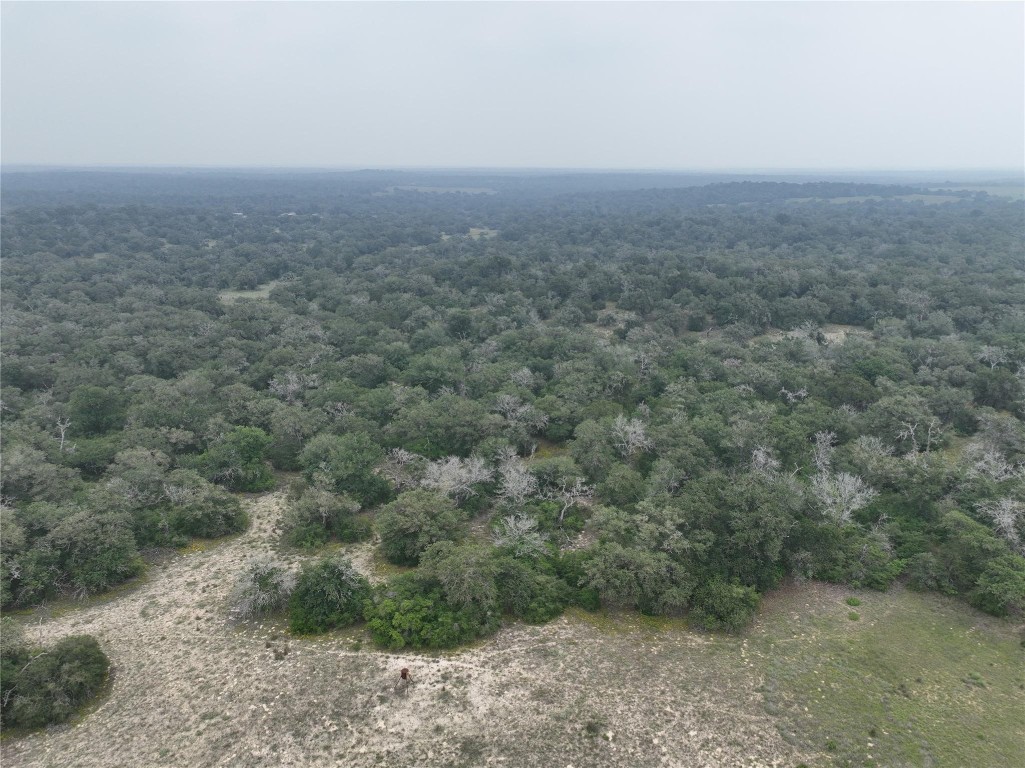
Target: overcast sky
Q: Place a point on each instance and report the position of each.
(582, 85)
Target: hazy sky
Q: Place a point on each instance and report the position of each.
(591, 85)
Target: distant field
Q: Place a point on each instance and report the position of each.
(1014, 192)
(915, 680)
(443, 190)
(259, 293)
(475, 233)
(927, 199)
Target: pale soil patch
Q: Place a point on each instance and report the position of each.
(834, 333)
(260, 293)
(192, 689)
(475, 233)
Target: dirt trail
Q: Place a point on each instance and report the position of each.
(192, 689)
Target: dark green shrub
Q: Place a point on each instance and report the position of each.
(92, 455)
(925, 572)
(198, 508)
(329, 593)
(95, 411)
(236, 461)
(630, 577)
(92, 551)
(549, 598)
(719, 604)
(528, 591)
(547, 514)
(39, 686)
(569, 566)
(28, 577)
(413, 522)
(849, 556)
(319, 516)
(411, 611)
(1000, 588)
(622, 486)
(347, 463)
(466, 572)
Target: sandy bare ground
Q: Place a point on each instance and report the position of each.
(192, 689)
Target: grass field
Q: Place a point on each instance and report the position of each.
(897, 679)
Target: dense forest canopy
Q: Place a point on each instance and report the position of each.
(660, 392)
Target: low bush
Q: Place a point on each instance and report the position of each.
(411, 611)
(40, 686)
(329, 593)
(414, 521)
(529, 592)
(719, 604)
(263, 587)
(92, 552)
(319, 516)
(202, 509)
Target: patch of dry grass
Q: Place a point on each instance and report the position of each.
(260, 293)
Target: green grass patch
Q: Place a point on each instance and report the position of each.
(547, 449)
(925, 681)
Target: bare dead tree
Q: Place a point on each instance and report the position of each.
(179, 495)
(63, 424)
(912, 432)
(763, 461)
(985, 460)
(523, 377)
(338, 410)
(823, 451)
(516, 411)
(517, 484)
(917, 301)
(1008, 516)
(793, 397)
(290, 385)
(404, 469)
(519, 533)
(567, 495)
(457, 477)
(841, 495)
(992, 356)
(629, 436)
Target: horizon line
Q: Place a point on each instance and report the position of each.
(14, 167)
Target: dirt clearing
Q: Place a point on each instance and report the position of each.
(191, 688)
